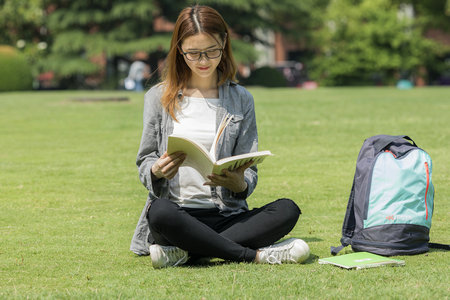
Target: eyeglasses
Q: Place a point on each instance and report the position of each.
(197, 55)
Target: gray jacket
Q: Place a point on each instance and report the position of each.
(239, 137)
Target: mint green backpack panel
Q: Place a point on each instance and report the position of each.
(401, 190)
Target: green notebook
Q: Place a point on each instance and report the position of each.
(361, 260)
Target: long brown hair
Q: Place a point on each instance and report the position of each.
(191, 21)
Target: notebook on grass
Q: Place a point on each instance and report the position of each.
(361, 260)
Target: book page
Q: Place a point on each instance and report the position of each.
(223, 124)
(236, 161)
(197, 156)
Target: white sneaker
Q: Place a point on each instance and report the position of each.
(167, 256)
(289, 251)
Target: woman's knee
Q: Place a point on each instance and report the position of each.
(161, 213)
(288, 209)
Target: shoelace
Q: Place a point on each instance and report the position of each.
(173, 255)
(276, 256)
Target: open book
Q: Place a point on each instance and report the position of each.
(361, 260)
(199, 158)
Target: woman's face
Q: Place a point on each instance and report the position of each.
(192, 46)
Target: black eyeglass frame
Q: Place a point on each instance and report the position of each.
(201, 53)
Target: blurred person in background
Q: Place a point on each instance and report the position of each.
(138, 72)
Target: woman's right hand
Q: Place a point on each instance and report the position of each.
(167, 165)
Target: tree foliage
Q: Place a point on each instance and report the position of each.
(82, 30)
(293, 18)
(352, 40)
(431, 13)
(364, 41)
(20, 20)
(22, 24)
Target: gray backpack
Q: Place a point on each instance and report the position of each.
(390, 206)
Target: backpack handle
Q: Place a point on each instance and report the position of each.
(388, 139)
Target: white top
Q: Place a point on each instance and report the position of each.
(197, 121)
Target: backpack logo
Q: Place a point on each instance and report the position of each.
(399, 218)
(390, 218)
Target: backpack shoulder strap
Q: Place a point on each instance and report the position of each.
(439, 246)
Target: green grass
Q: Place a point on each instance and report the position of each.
(70, 196)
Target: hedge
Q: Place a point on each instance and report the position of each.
(267, 77)
(15, 72)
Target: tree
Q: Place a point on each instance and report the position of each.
(84, 30)
(364, 41)
(433, 16)
(86, 33)
(20, 20)
(22, 26)
(430, 13)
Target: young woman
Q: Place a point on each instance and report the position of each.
(186, 214)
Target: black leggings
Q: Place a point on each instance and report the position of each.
(205, 232)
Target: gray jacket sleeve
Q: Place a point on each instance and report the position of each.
(151, 145)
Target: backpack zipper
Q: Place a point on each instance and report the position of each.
(395, 156)
(427, 170)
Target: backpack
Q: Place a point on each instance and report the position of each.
(390, 206)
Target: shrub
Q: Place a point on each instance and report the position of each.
(15, 73)
(266, 76)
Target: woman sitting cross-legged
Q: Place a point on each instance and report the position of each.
(187, 214)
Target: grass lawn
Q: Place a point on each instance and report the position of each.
(70, 196)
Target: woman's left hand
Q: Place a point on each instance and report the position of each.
(232, 180)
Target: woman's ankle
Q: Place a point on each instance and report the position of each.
(257, 260)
